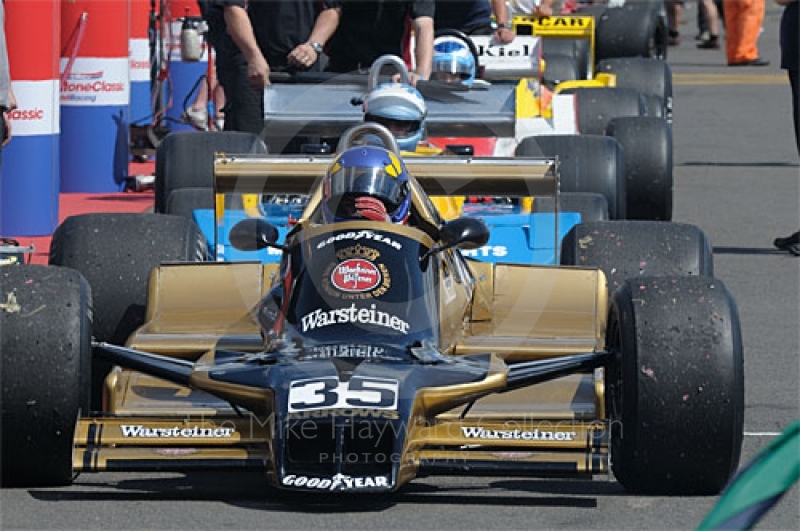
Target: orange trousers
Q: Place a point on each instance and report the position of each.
(743, 20)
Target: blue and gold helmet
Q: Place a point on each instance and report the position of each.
(452, 58)
(365, 171)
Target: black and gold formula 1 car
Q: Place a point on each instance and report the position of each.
(388, 356)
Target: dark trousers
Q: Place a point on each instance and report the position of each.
(480, 29)
(794, 81)
(244, 104)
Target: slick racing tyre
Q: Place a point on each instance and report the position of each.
(631, 249)
(559, 68)
(651, 77)
(115, 253)
(590, 163)
(656, 107)
(186, 159)
(596, 107)
(577, 49)
(184, 201)
(646, 144)
(591, 207)
(674, 385)
(46, 358)
(634, 30)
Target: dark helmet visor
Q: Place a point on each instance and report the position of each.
(367, 180)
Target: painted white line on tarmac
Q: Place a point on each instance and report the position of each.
(762, 433)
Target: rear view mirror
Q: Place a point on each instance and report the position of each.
(254, 234)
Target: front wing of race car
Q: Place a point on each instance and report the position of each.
(390, 422)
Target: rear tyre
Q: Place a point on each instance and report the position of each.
(651, 77)
(655, 106)
(675, 385)
(559, 68)
(185, 201)
(631, 249)
(646, 144)
(634, 30)
(115, 253)
(577, 49)
(596, 107)
(186, 159)
(591, 164)
(591, 207)
(46, 358)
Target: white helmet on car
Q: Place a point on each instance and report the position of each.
(401, 108)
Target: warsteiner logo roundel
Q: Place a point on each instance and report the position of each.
(356, 276)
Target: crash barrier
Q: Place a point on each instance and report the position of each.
(30, 176)
(95, 90)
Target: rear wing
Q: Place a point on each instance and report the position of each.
(269, 186)
(569, 27)
(439, 175)
(518, 59)
(327, 105)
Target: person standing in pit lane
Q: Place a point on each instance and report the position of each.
(474, 17)
(743, 20)
(359, 32)
(252, 39)
(790, 61)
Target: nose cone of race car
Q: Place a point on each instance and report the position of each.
(343, 426)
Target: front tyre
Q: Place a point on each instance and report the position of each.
(675, 385)
(45, 373)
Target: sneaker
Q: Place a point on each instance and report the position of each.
(197, 117)
(219, 122)
(711, 43)
(702, 36)
(790, 243)
(758, 61)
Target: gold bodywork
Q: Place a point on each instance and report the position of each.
(514, 312)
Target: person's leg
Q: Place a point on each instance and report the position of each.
(791, 243)
(197, 113)
(713, 18)
(732, 28)
(674, 9)
(702, 24)
(219, 107)
(753, 20)
(720, 10)
(711, 39)
(244, 108)
(794, 81)
(743, 19)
